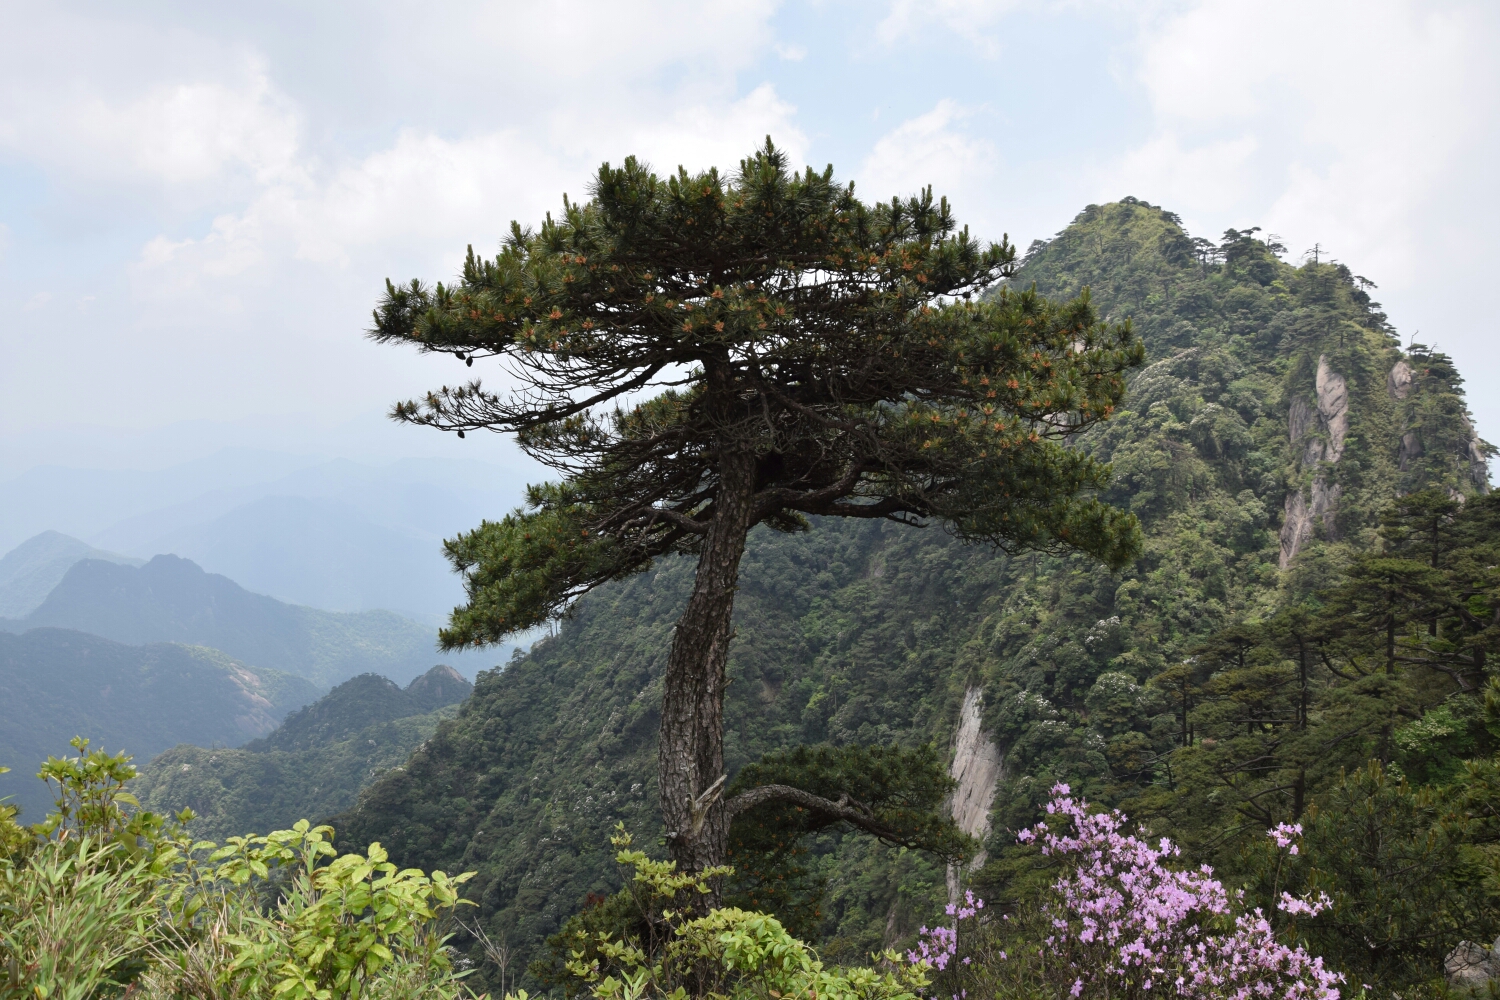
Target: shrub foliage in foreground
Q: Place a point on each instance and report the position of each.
(99, 898)
(102, 901)
(661, 948)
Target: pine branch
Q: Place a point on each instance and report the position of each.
(846, 809)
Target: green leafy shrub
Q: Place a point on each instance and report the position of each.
(726, 952)
(100, 897)
(73, 921)
(14, 839)
(337, 926)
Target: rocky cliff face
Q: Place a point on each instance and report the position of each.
(1418, 421)
(977, 768)
(1437, 439)
(1318, 427)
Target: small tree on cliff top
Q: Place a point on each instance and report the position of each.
(699, 354)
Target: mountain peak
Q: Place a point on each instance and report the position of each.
(442, 685)
(30, 571)
(364, 701)
(172, 599)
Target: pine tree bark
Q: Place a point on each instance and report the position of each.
(690, 756)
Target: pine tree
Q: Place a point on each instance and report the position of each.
(696, 355)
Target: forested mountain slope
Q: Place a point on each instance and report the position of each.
(311, 765)
(170, 599)
(56, 684)
(1277, 419)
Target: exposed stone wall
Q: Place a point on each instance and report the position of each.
(1398, 382)
(978, 768)
(1321, 426)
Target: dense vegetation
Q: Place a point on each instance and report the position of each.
(312, 765)
(1279, 420)
(102, 900)
(1294, 682)
(172, 600)
(805, 354)
(56, 684)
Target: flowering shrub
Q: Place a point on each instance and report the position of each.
(938, 946)
(1121, 922)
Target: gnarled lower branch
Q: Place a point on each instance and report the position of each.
(681, 520)
(847, 809)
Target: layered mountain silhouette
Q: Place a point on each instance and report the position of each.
(339, 535)
(311, 766)
(30, 570)
(364, 701)
(56, 684)
(171, 599)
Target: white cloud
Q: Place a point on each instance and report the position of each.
(706, 135)
(1335, 122)
(931, 149)
(244, 185)
(968, 18)
(425, 197)
(189, 131)
(95, 102)
(184, 136)
(592, 41)
(93, 98)
(1212, 173)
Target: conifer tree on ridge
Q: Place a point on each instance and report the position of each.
(699, 354)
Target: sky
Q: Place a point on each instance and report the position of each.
(200, 202)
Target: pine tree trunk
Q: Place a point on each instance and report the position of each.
(690, 757)
(1390, 644)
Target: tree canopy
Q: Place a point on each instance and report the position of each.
(835, 345)
(696, 355)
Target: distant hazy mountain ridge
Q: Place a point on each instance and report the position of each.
(141, 658)
(333, 534)
(172, 600)
(310, 767)
(56, 684)
(30, 570)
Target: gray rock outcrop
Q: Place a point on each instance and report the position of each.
(1472, 967)
(1410, 450)
(1321, 426)
(1333, 408)
(1398, 382)
(977, 768)
(1479, 463)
